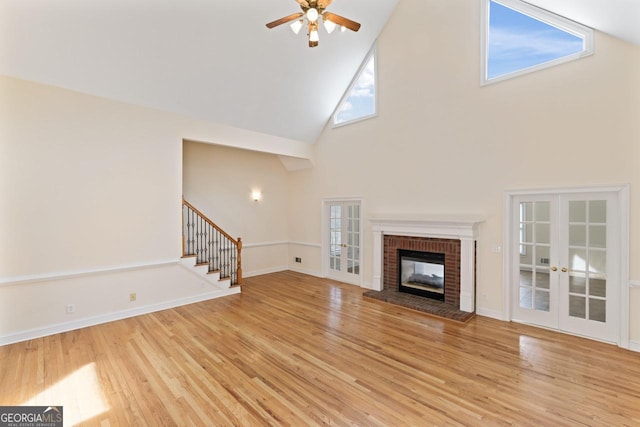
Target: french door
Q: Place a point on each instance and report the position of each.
(344, 240)
(567, 262)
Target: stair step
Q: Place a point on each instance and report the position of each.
(224, 282)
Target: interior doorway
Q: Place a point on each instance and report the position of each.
(342, 240)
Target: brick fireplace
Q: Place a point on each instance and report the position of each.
(449, 247)
(453, 237)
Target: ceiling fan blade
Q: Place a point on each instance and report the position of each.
(284, 20)
(340, 20)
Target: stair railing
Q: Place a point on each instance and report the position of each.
(210, 244)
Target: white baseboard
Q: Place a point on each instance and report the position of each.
(486, 312)
(306, 271)
(634, 345)
(110, 317)
(264, 271)
(367, 285)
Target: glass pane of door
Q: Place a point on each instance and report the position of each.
(335, 237)
(353, 239)
(534, 247)
(587, 259)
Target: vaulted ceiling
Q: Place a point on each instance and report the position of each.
(215, 59)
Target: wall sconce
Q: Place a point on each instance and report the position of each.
(256, 195)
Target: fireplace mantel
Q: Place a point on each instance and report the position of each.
(445, 227)
(457, 227)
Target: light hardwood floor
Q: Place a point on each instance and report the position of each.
(296, 350)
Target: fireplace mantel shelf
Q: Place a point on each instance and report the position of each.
(445, 226)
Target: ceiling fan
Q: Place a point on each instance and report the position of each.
(313, 10)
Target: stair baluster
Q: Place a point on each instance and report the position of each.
(210, 244)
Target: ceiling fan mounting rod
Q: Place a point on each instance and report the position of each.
(305, 6)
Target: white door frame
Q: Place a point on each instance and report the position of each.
(325, 234)
(622, 193)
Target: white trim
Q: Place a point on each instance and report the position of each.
(265, 271)
(110, 317)
(493, 314)
(564, 190)
(367, 285)
(622, 194)
(507, 244)
(542, 15)
(356, 120)
(19, 280)
(308, 244)
(279, 243)
(264, 244)
(625, 291)
(445, 226)
(634, 283)
(307, 271)
(634, 346)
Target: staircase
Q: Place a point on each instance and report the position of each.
(209, 251)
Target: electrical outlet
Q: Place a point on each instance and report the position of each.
(298, 259)
(71, 308)
(132, 296)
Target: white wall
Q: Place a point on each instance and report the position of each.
(443, 144)
(90, 196)
(219, 181)
(80, 177)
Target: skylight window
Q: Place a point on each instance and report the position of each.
(359, 101)
(519, 38)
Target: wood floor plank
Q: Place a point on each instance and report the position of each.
(297, 350)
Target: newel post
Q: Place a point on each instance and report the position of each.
(183, 236)
(239, 261)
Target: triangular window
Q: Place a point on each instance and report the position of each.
(359, 101)
(520, 38)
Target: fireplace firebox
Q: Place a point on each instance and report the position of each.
(421, 273)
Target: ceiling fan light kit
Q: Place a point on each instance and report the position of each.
(328, 25)
(312, 14)
(312, 11)
(296, 26)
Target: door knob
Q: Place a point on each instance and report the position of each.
(554, 268)
(564, 269)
